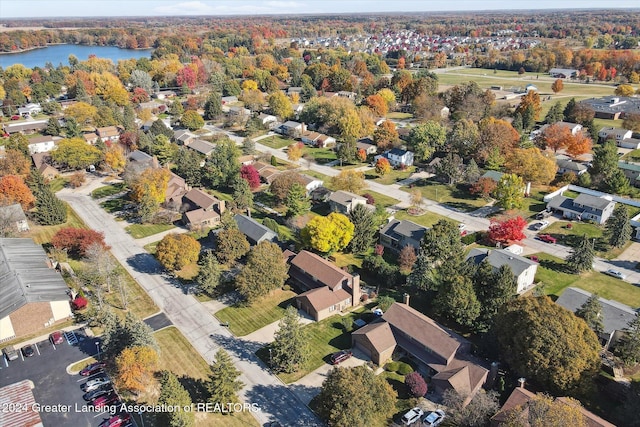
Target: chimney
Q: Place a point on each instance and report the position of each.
(355, 290)
(521, 382)
(405, 298)
(221, 206)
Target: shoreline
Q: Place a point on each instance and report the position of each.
(70, 44)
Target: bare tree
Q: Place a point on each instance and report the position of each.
(122, 289)
(103, 264)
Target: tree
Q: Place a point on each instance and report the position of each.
(280, 105)
(213, 106)
(578, 144)
(555, 114)
(629, 348)
(624, 90)
(507, 230)
(348, 150)
(295, 151)
(417, 385)
(474, 414)
(77, 240)
(49, 209)
(264, 272)
(377, 104)
(557, 86)
(175, 251)
(383, 166)
(364, 229)
(76, 153)
(152, 183)
(14, 190)
(510, 192)
(543, 410)
(618, 228)
(173, 394)
(532, 99)
(242, 195)
(407, 259)
(543, 341)
(497, 138)
(290, 349)
(591, 312)
(581, 257)
(349, 180)
(282, 184)
(223, 380)
(372, 407)
(605, 160)
(386, 135)
(14, 163)
(456, 297)
(297, 201)
(135, 367)
(493, 290)
(231, 244)
(484, 187)
(426, 138)
(362, 155)
(159, 128)
(532, 165)
(385, 302)
(81, 112)
(251, 175)
(187, 165)
(328, 233)
(222, 166)
(452, 168)
(208, 277)
(114, 158)
(442, 241)
(192, 120)
(631, 122)
(415, 196)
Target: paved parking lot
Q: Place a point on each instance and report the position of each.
(53, 385)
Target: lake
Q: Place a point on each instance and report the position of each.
(57, 54)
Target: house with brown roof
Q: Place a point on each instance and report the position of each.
(90, 137)
(517, 406)
(202, 209)
(176, 188)
(328, 289)
(108, 133)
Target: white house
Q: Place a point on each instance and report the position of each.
(343, 201)
(397, 157)
(267, 120)
(623, 137)
(584, 207)
(30, 110)
(311, 183)
(523, 269)
(41, 144)
(108, 133)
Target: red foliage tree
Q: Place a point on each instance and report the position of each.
(379, 250)
(79, 303)
(139, 95)
(129, 140)
(483, 187)
(251, 175)
(187, 76)
(508, 229)
(362, 155)
(77, 240)
(417, 385)
(370, 199)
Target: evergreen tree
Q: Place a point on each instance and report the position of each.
(591, 312)
(472, 172)
(364, 229)
(72, 129)
(49, 209)
(159, 128)
(36, 182)
(297, 201)
(290, 349)
(581, 258)
(618, 228)
(222, 167)
(208, 277)
(223, 381)
(517, 122)
(605, 160)
(176, 109)
(629, 349)
(53, 127)
(172, 393)
(617, 183)
(242, 194)
(555, 114)
(248, 146)
(81, 94)
(569, 110)
(213, 106)
(129, 119)
(493, 290)
(529, 117)
(348, 150)
(457, 299)
(187, 164)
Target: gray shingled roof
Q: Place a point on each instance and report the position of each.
(499, 257)
(592, 201)
(202, 146)
(13, 212)
(615, 316)
(569, 165)
(139, 156)
(25, 276)
(344, 197)
(398, 229)
(254, 231)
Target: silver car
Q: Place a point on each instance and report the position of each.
(615, 273)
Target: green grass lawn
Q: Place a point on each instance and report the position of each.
(42, 234)
(571, 237)
(428, 219)
(456, 196)
(399, 116)
(325, 178)
(115, 205)
(392, 177)
(276, 142)
(108, 190)
(632, 156)
(321, 155)
(139, 231)
(244, 319)
(58, 184)
(381, 199)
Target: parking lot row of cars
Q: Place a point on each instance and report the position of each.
(10, 353)
(99, 393)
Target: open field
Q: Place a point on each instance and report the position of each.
(454, 196)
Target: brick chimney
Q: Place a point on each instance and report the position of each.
(405, 298)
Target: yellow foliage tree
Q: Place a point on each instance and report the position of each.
(328, 234)
(532, 98)
(249, 85)
(135, 367)
(294, 152)
(349, 180)
(383, 166)
(82, 112)
(151, 182)
(114, 158)
(110, 88)
(175, 251)
(532, 165)
(350, 125)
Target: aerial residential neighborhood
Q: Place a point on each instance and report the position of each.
(294, 214)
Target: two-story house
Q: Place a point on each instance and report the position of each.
(201, 209)
(292, 129)
(398, 234)
(343, 201)
(42, 144)
(328, 290)
(623, 137)
(523, 269)
(631, 171)
(397, 157)
(584, 207)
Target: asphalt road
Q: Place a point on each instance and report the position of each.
(158, 321)
(276, 401)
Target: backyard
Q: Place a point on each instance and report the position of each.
(454, 196)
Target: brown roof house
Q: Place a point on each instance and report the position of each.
(441, 354)
(33, 296)
(328, 290)
(108, 133)
(202, 209)
(517, 405)
(176, 188)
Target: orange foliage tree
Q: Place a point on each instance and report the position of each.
(383, 166)
(377, 104)
(135, 367)
(578, 144)
(14, 190)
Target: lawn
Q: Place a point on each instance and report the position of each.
(533, 204)
(392, 177)
(115, 205)
(396, 115)
(571, 237)
(632, 156)
(42, 234)
(108, 190)
(426, 220)
(57, 184)
(321, 155)
(455, 196)
(381, 199)
(276, 142)
(325, 178)
(139, 231)
(188, 272)
(245, 319)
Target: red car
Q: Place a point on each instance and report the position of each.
(105, 400)
(547, 238)
(92, 369)
(56, 337)
(116, 421)
(340, 356)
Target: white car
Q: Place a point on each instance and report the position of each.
(412, 416)
(95, 383)
(434, 418)
(615, 273)
(541, 225)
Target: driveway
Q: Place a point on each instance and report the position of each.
(275, 400)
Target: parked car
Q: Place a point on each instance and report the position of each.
(340, 356)
(615, 273)
(56, 337)
(412, 416)
(544, 214)
(28, 350)
(105, 389)
(95, 383)
(92, 369)
(10, 353)
(104, 400)
(547, 238)
(434, 418)
(541, 225)
(117, 421)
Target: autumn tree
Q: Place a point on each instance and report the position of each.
(484, 187)
(192, 120)
(295, 152)
(223, 384)
(507, 230)
(377, 104)
(290, 350)
(135, 367)
(618, 229)
(264, 272)
(280, 105)
(581, 257)
(362, 155)
(175, 251)
(76, 153)
(114, 158)
(81, 112)
(328, 233)
(173, 394)
(349, 180)
(77, 240)
(297, 201)
(361, 409)
(364, 229)
(14, 190)
(416, 383)
(383, 166)
(591, 312)
(426, 138)
(386, 135)
(407, 259)
(557, 86)
(475, 413)
(532, 98)
(510, 192)
(532, 165)
(231, 244)
(578, 144)
(251, 175)
(283, 182)
(149, 189)
(631, 122)
(497, 138)
(624, 90)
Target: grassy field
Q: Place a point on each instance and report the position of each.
(399, 116)
(188, 272)
(426, 220)
(457, 197)
(571, 237)
(57, 184)
(42, 234)
(115, 205)
(632, 156)
(276, 142)
(139, 231)
(392, 177)
(108, 190)
(381, 199)
(246, 319)
(321, 155)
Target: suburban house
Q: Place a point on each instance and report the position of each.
(13, 218)
(292, 129)
(631, 171)
(584, 207)
(267, 172)
(30, 110)
(343, 201)
(624, 138)
(142, 160)
(201, 146)
(325, 141)
(229, 99)
(615, 316)
(327, 289)
(253, 230)
(48, 172)
(311, 183)
(442, 355)
(310, 137)
(29, 126)
(397, 157)
(183, 136)
(42, 144)
(267, 120)
(563, 73)
(90, 138)
(201, 209)
(518, 405)
(239, 111)
(367, 145)
(108, 133)
(574, 128)
(346, 94)
(33, 295)
(523, 269)
(176, 188)
(635, 223)
(164, 94)
(398, 234)
(565, 165)
(246, 160)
